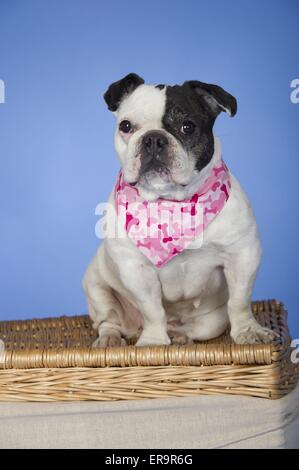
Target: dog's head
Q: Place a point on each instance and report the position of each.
(164, 134)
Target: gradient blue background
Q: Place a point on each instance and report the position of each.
(57, 160)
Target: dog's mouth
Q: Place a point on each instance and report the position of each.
(157, 177)
(158, 172)
(154, 164)
(153, 174)
(152, 171)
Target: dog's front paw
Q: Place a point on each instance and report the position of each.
(147, 339)
(253, 333)
(109, 341)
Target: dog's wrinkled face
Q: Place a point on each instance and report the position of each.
(164, 134)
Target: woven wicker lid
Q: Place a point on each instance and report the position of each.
(66, 342)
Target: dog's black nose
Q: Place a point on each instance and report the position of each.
(154, 143)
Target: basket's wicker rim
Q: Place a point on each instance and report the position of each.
(125, 383)
(210, 353)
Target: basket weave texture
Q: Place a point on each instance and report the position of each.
(52, 360)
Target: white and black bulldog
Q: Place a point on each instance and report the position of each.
(187, 278)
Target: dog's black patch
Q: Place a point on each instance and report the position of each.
(119, 89)
(199, 103)
(216, 97)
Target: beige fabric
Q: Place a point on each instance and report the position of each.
(195, 422)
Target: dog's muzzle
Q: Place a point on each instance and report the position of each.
(154, 154)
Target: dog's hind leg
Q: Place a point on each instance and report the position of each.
(209, 325)
(104, 309)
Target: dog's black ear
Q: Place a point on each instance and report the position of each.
(217, 99)
(117, 90)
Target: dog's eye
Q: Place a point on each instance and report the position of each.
(188, 128)
(125, 126)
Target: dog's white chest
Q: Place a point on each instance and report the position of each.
(191, 276)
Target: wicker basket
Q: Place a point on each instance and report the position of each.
(52, 360)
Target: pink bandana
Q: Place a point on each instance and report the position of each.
(164, 228)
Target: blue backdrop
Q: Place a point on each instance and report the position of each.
(56, 154)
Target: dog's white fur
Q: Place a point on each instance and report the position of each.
(200, 291)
